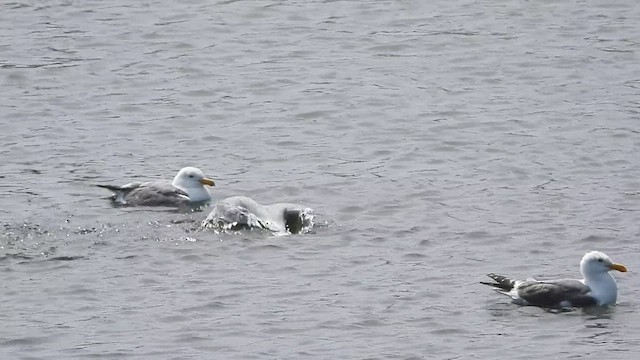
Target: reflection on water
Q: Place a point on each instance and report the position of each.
(595, 313)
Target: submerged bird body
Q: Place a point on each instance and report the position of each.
(238, 212)
(597, 288)
(186, 189)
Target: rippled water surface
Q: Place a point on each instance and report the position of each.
(436, 140)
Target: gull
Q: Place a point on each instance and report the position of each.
(597, 287)
(186, 189)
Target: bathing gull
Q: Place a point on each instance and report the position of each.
(186, 189)
(241, 212)
(597, 288)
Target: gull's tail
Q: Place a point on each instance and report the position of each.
(501, 282)
(120, 192)
(115, 188)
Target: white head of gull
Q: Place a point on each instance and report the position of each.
(192, 180)
(595, 267)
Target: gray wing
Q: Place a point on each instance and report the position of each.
(148, 194)
(555, 292)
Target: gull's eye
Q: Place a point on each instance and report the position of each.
(600, 260)
(191, 176)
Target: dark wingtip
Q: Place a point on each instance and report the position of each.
(293, 221)
(108, 187)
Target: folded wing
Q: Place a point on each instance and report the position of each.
(555, 293)
(147, 194)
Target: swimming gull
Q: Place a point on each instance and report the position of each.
(241, 212)
(186, 189)
(597, 288)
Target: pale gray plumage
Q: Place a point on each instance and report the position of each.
(147, 194)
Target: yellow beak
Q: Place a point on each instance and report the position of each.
(618, 267)
(206, 181)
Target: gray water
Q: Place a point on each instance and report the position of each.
(437, 141)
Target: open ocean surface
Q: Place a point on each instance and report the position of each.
(437, 141)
